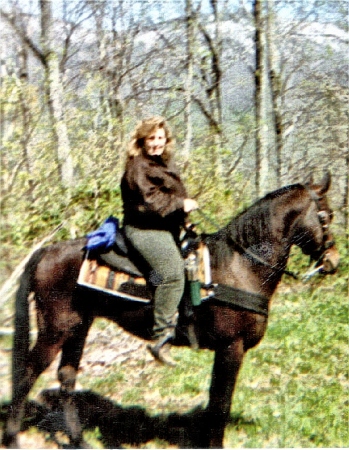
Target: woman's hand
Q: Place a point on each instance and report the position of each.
(190, 205)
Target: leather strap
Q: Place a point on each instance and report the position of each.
(250, 301)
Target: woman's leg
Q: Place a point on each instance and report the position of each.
(160, 251)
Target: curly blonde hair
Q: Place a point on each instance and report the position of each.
(144, 129)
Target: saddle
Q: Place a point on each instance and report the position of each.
(113, 271)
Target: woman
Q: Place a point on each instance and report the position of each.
(155, 203)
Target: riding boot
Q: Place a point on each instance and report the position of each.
(160, 349)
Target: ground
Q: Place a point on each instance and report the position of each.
(124, 390)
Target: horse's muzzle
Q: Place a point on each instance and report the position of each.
(330, 260)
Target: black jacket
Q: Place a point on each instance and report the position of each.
(152, 194)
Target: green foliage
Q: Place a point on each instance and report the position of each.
(26, 221)
(220, 197)
(294, 383)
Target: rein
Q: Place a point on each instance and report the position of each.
(322, 216)
(247, 251)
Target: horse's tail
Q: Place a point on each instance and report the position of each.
(21, 340)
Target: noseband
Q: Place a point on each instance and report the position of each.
(324, 219)
(327, 241)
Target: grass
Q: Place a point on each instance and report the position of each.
(292, 390)
(155, 386)
(295, 384)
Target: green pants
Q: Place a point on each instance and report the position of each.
(160, 251)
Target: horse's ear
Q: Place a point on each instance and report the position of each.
(309, 180)
(325, 183)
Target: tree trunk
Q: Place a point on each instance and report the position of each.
(55, 96)
(274, 80)
(25, 113)
(261, 159)
(211, 77)
(346, 201)
(189, 79)
(216, 65)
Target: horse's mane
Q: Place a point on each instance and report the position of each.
(253, 225)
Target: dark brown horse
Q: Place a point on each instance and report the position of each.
(248, 258)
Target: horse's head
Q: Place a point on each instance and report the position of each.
(313, 233)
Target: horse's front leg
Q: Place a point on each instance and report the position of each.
(225, 371)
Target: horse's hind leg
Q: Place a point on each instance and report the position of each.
(39, 358)
(67, 371)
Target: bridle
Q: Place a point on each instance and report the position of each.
(327, 243)
(247, 251)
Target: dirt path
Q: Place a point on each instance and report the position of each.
(106, 345)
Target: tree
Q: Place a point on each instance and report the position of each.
(262, 163)
(210, 72)
(274, 81)
(49, 59)
(190, 23)
(55, 95)
(277, 113)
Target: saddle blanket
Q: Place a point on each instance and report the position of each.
(109, 281)
(120, 284)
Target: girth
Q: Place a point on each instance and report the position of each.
(256, 303)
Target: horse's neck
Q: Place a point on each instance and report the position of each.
(261, 237)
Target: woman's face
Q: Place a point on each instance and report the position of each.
(155, 142)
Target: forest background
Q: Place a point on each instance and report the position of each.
(256, 92)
